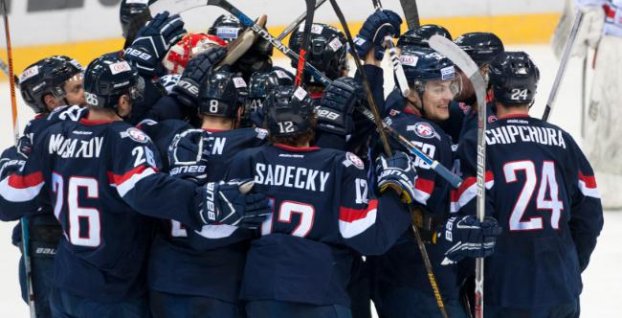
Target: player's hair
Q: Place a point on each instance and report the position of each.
(301, 138)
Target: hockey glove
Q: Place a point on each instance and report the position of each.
(24, 147)
(379, 25)
(469, 238)
(195, 74)
(153, 41)
(397, 173)
(9, 165)
(188, 154)
(334, 114)
(231, 203)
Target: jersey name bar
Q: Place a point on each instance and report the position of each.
(511, 134)
(75, 148)
(291, 177)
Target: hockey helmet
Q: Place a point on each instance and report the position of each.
(47, 76)
(424, 64)
(327, 50)
(223, 94)
(421, 35)
(129, 10)
(226, 27)
(514, 78)
(262, 82)
(482, 47)
(107, 78)
(289, 111)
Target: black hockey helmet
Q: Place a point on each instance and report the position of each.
(262, 82)
(107, 78)
(226, 27)
(47, 76)
(514, 78)
(129, 10)
(257, 59)
(327, 50)
(423, 64)
(482, 47)
(421, 35)
(289, 111)
(223, 94)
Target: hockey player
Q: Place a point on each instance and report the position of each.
(47, 85)
(194, 274)
(259, 85)
(542, 189)
(601, 29)
(402, 288)
(300, 267)
(482, 47)
(100, 172)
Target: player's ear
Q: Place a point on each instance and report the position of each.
(124, 105)
(50, 102)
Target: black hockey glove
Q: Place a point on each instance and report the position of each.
(470, 237)
(153, 41)
(379, 25)
(10, 165)
(24, 147)
(195, 74)
(187, 156)
(232, 203)
(397, 173)
(334, 114)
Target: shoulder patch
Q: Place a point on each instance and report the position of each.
(352, 159)
(135, 134)
(423, 130)
(261, 133)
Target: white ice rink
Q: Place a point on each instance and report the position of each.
(602, 294)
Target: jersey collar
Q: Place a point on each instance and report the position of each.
(296, 149)
(510, 116)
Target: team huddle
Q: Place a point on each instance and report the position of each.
(179, 177)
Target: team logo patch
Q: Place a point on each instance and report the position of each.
(423, 130)
(448, 73)
(28, 73)
(352, 159)
(136, 134)
(119, 67)
(335, 44)
(409, 60)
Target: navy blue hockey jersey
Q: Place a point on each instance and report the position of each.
(97, 175)
(208, 262)
(321, 211)
(542, 191)
(403, 265)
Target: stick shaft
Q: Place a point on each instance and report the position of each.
(292, 26)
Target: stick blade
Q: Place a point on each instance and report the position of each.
(243, 43)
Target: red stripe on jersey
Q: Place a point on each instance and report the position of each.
(351, 215)
(590, 181)
(467, 183)
(23, 182)
(424, 185)
(119, 179)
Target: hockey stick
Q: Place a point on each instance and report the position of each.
(466, 64)
(185, 5)
(411, 13)
(23, 221)
(4, 68)
(304, 45)
(292, 26)
(365, 80)
(562, 64)
(583, 94)
(402, 82)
